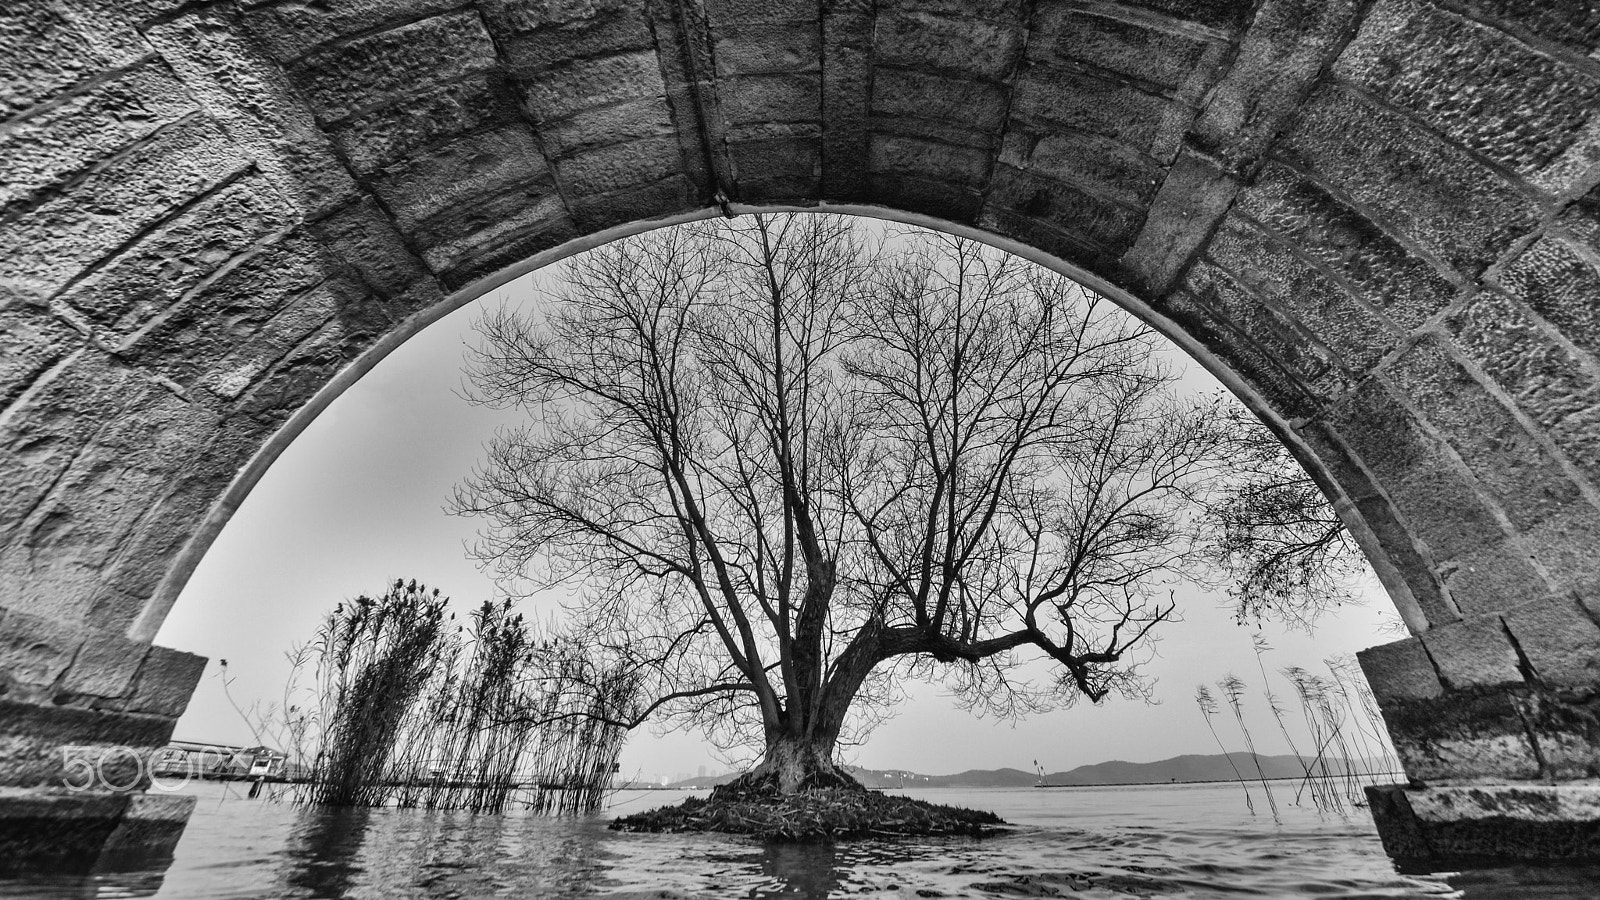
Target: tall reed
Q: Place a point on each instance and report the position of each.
(413, 709)
(1348, 744)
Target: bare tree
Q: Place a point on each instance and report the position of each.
(779, 463)
(1284, 551)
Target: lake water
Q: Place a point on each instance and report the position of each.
(1163, 842)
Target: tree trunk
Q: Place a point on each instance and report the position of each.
(791, 765)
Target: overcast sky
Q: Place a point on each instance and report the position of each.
(358, 500)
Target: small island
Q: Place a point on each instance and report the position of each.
(841, 811)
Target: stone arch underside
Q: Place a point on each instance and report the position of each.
(1379, 219)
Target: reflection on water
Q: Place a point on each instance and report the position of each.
(323, 849)
(1159, 842)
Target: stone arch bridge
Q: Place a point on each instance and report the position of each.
(1377, 220)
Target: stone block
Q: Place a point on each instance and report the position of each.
(60, 239)
(1492, 577)
(974, 9)
(1567, 731)
(165, 682)
(150, 549)
(1575, 25)
(1303, 293)
(1551, 384)
(1473, 653)
(52, 47)
(239, 366)
(752, 11)
(751, 99)
(1283, 52)
(1464, 824)
(67, 137)
(590, 83)
(195, 335)
(626, 121)
(1462, 736)
(767, 49)
(121, 299)
(291, 30)
(38, 740)
(148, 830)
(666, 197)
(1515, 470)
(53, 832)
(1193, 196)
(613, 28)
(1298, 354)
(35, 651)
(846, 98)
(496, 234)
(518, 17)
(224, 69)
(1558, 277)
(46, 430)
(1320, 226)
(453, 176)
(1400, 671)
(385, 136)
(1483, 89)
(1096, 164)
(1262, 368)
(1564, 545)
(1412, 562)
(979, 48)
(104, 666)
(1561, 643)
(957, 203)
(1183, 63)
(972, 105)
(31, 342)
(1221, 14)
(1092, 220)
(958, 165)
(1415, 182)
(618, 167)
(1045, 236)
(1145, 122)
(798, 158)
(375, 69)
(363, 235)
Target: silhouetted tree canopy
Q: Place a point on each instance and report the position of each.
(779, 462)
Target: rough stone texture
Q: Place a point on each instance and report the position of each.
(1474, 653)
(1562, 645)
(1401, 671)
(1527, 822)
(1462, 736)
(60, 833)
(1381, 218)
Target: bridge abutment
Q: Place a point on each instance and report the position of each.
(1497, 723)
(83, 714)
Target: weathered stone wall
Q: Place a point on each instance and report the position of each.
(1377, 218)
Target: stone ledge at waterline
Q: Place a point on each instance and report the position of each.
(1475, 822)
(83, 832)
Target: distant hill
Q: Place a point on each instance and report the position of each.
(1190, 767)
